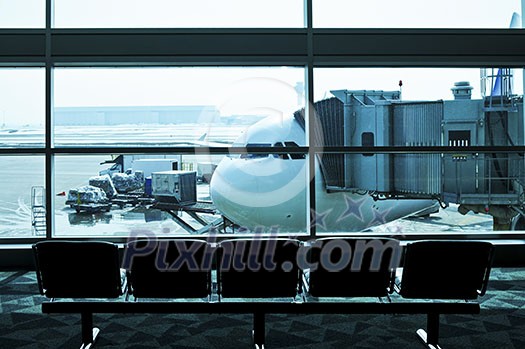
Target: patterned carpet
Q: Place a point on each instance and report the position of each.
(501, 324)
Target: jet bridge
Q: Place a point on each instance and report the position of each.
(490, 183)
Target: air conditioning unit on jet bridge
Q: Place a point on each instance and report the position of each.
(174, 187)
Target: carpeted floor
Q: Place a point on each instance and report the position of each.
(501, 324)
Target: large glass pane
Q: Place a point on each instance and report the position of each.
(369, 191)
(22, 107)
(208, 107)
(22, 212)
(426, 194)
(22, 13)
(179, 14)
(416, 14)
(173, 194)
(449, 194)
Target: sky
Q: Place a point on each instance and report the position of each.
(260, 91)
(257, 13)
(415, 13)
(233, 91)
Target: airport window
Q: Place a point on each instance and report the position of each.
(170, 107)
(466, 191)
(22, 108)
(415, 14)
(106, 97)
(22, 14)
(22, 213)
(406, 194)
(179, 14)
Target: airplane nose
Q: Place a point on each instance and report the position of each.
(263, 192)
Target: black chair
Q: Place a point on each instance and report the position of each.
(258, 268)
(435, 270)
(352, 267)
(446, 269)
(169, 268)
(78, 269)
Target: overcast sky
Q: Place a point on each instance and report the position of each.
(234, 90)
(257, 13)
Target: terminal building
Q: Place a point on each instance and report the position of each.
(163, 115)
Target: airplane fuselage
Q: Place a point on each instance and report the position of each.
(262, 191)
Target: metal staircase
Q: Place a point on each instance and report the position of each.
(38, 210)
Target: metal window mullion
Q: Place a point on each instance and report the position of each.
(309, 111)
(49, 170)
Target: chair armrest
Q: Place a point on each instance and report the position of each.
(485, 283)
(397, 288)
(304, 281)
(123, 281)
(392, 285)
(38, 276)
(126, 285)
(486, 275)
(397, 284)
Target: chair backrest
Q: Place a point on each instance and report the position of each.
(169, 268)
(258, 268)
(446, 269)
(78, 269)
(353, 267)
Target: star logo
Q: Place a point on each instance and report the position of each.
(379, 217)
(319, 219)
(354, 208)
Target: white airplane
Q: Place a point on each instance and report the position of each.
(270, 192)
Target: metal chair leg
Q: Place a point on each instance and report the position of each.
(258, 329)
(89, 333)
(431, 338)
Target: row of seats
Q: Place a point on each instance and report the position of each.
(263, 268)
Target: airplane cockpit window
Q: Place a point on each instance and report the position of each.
(255, 156)
(295, 156)
(288, 156)
(281, 156)
(277, 156)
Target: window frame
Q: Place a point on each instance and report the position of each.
(305, 47)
